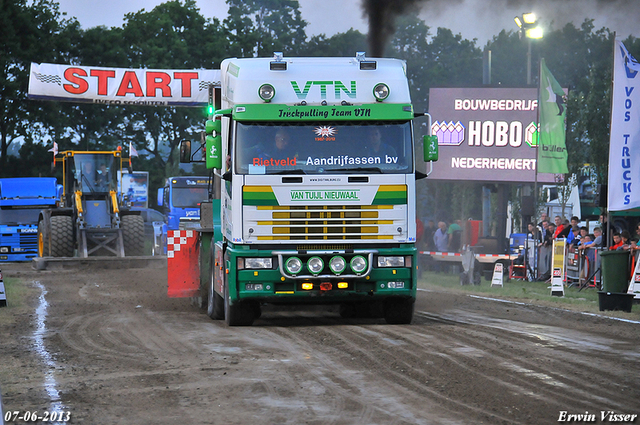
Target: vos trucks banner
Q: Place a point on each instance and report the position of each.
(624, 145)
(120, 86)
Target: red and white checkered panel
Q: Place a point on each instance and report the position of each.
(183, 269)
(176, 239)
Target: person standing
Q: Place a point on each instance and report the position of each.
(455, 236)
(440, 237)
(440, 240)
(428, 235)
(543, 217)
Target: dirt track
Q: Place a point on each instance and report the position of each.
(109, 347)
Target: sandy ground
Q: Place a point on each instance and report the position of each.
(109, 347)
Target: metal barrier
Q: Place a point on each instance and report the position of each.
(572, 264)
(589, 273)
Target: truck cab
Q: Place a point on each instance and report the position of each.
(21, 200)
(317, 172)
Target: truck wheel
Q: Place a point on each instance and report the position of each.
(44, 248)
(61, 241)
(238, 314)
(215, 303)
(133, 235)
(399, 311)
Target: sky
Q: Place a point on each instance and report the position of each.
(479, 19)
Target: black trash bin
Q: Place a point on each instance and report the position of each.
(615, 281)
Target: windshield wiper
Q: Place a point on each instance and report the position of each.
(362, 169)
(296, 171)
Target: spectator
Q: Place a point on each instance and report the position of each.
(544, 226)
(558, 227)
(548, 239)
(585, 241)
(533, 233)
(574, 236)
(617, 242)
(598, 240)
(440, 238)
(543, 217)
(419, 231)
(625, 237)
(455, 236)
(575, 221)
(428, 235)
(583, 232)
(603, 226)
(546, 247)
(566, 230)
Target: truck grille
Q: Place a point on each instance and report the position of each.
(29, 240)
(334, 222)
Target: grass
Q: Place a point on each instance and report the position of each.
(538, 293)
(18, 293)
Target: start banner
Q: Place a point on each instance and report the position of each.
(121, 86)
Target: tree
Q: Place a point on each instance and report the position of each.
(30, 32)
(262, 27)
(344, 44)
(173, 35)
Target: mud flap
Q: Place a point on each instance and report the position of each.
(183, 266)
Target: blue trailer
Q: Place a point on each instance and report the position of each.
(21, 199)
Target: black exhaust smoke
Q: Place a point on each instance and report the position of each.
(382, 15)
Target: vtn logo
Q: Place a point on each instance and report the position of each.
(338, 87)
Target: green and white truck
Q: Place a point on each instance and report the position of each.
(315, 164)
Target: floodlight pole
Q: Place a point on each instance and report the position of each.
(529, 62)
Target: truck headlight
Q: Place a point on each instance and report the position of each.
(337, 264)
(358, 264)
(266, 92)
(4, 249)
(381, 92)
(293, 265)
(390, 261)
(255, 263)
(315, 265)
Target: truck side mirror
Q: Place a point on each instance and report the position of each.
(185, 151)
(213, 143)
(160, 198)
(430, 148)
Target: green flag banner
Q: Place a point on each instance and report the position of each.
(552, 150)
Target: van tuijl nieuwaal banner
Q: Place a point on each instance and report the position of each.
(120, 86)
(486, 134)
(624, 145)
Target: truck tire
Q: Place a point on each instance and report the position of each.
(133, 235)
(399, 311)
(44, 247)
(238, 314)
(215, 303)
(61, 236)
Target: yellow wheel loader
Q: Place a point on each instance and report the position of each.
(91, 218)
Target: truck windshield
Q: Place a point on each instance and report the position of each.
(15, 216)
(188, 197)
(95, 172)
(327, 147)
